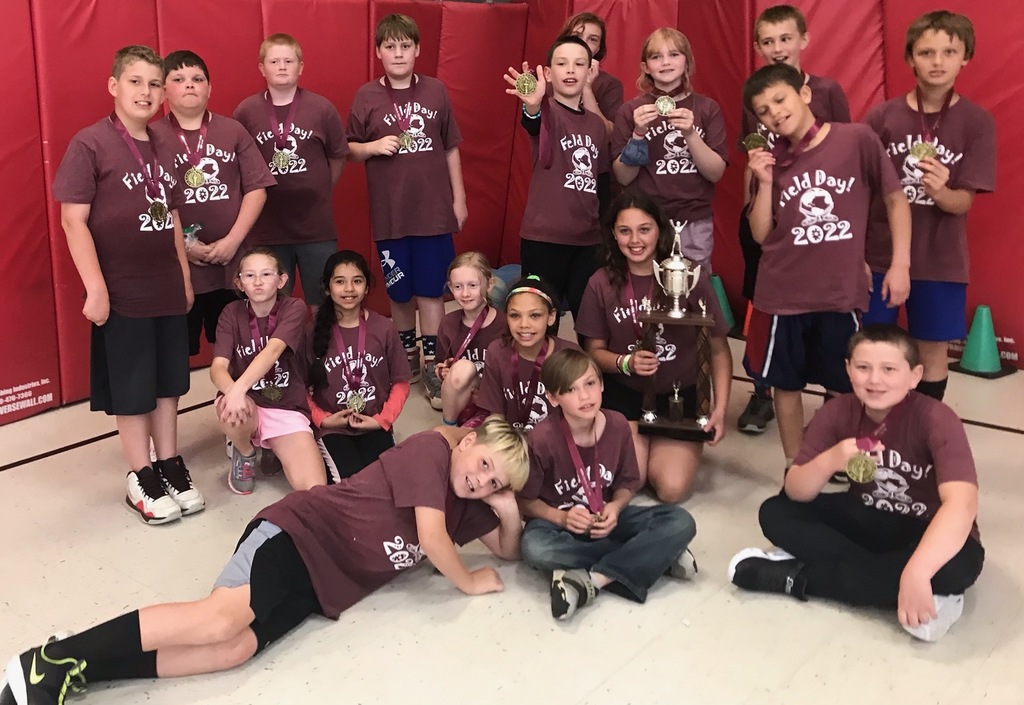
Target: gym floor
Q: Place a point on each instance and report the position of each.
(76, 555)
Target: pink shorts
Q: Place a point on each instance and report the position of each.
(271, 423)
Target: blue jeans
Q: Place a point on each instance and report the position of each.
(638, 551)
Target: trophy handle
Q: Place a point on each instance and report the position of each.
(692, 277)
(657, 273)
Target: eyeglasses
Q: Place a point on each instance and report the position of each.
(250, 277)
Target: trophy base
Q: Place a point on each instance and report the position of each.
(685, 430)
(676, 314)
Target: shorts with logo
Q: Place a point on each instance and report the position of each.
(416, 265)
(936, 311)
(792, 351)
(281, 593)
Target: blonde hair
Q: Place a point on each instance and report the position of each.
(509, 444)
(476, 260)
(675, 39)
(280, 39)
(132, 53)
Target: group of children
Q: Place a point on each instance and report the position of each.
(827, 209)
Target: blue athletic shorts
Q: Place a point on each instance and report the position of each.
(416, 265)
(792, 351)
(936, 311)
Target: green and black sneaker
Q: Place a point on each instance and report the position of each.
(35, 679)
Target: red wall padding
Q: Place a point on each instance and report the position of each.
(29, 379)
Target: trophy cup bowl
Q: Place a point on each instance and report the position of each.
(677, 276)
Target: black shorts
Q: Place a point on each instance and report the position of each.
(629, 402)
(345, 454)
(751, 255)
(567, 268)
(204, 316)
(135, 361)
(281, 593)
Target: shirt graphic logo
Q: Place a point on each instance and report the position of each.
(677, 154)
(815, 194)
(402, 553)
(395, 275)
(584, 153)
(817, 204)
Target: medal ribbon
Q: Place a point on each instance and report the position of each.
(525, 402)
(193, 157)
(281, 131)
(866, 443)
(257, 339)
(351, 378)
(150, 178)
(592, 486)
(926, 132)
(787, 155)
(473, 330)
(630, 296)
(403, 122)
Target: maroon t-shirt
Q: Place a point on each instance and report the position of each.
(235, 343)
(813, 259)
(553, 476)
(233, 167)
(453, 331)
(357, 535)
(562, 206)
(298, 209)
(609, 315)
(384, 363)
(966, 143)
(411, 191)
(828, 103)
(925, 445)
(137, 256)
(498, 392)
(671, 177)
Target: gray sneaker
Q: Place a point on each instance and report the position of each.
(242, 478)
(432, 385)
(754, 419)
(413, 356)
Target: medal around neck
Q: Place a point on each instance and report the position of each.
(271, 392)
(406, 141)
(526, 83)
(281, 160)
(158, 211)
(194, 178)
(861, 468)
(356, 402)
(922, 150)
(664, 105)
(755, 140)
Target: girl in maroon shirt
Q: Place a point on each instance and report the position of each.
(359, 373)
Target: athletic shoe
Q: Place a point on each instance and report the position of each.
(148, 496)
(35, 679)
(432, 386)
(754, 419)
(948, 609)
(413, 356)
(270, 464)
(768, 571)
(179, 485)
(570, 590)
(684, 567)
(242, 477)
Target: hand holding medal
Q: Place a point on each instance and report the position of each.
(861, 467)
(529, 87)
(755, 140)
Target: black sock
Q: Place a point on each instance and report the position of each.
(936, 390)
(121, 668)
(408, 338)
(762, 390)
(120, 638)
(429, 346)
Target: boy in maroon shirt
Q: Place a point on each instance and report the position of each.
(319, 551)
(583, 473)
(561, 229)
(225, 182)
(905, 537)
(302, 140)
(403, 127)
(780, 36)
(809, 213)
(119, 201)
(944, 149)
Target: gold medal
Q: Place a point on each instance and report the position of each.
(271, 392)
(755, 140)
(194, 178)
(406, 141)
(356, 402)
(158, 211)
(665, 105)
(526, 83)
(861, 468)
(921, 150)
(281, 160)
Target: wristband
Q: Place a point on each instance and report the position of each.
(531, 117)
(618, 362)
(625, 365)
(635, 153)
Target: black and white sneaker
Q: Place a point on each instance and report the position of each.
(148, 496)
(179, 485)
(760, 410)
(768, 571)
(35, 679)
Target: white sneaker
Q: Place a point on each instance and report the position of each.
(178, 483)
(148, 496)
(948, 609)
(684, 567)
